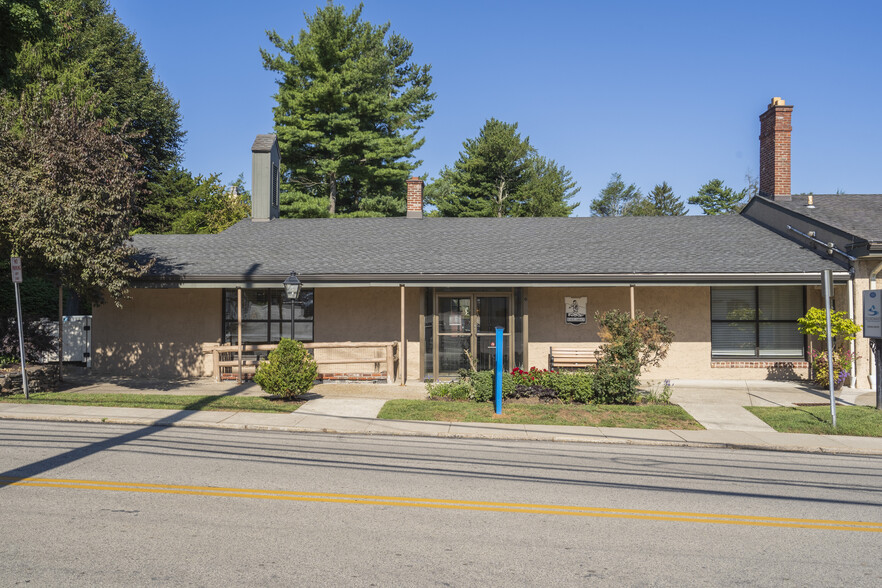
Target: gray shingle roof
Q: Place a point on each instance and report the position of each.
(857, 214)
(475, 246)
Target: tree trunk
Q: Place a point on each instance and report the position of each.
(332, 200)
(499, 199)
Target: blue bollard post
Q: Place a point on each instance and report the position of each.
(498, 370)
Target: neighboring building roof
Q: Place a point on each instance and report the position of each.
(857, 214)
(510, 250)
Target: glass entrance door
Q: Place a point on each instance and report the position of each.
(466, 329)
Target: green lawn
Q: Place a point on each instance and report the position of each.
(231, 403)
(862, 421)
(636, 417)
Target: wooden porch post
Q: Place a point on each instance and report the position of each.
(239, 336)
(60, 331)
(633, 313)
(402, 349)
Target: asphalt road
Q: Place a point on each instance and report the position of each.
(110, 505)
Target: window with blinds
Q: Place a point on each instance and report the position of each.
(757, 321)
(267, 316)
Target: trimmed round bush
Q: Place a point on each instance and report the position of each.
(288, 371)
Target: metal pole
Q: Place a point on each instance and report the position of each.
(499, 344)
(24, 372)
(60, 331)
(876, 348)
(239, 333)
(827, 280)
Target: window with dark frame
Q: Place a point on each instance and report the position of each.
(267, 316)
(757, 322)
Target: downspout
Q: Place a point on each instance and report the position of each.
(873, 275)
(852, 380)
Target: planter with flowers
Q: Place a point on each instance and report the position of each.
(814, 323)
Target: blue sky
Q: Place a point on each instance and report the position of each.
(658, 91)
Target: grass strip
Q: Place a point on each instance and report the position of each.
(593, 415)
(860, 421)
(167, 401)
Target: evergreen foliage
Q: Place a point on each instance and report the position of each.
(184, 204)
(289, 370)
(660, 201)
(20, 21)
(499, 174)
(616, 198)
(716, 198)
(90, 54)
(350, 104)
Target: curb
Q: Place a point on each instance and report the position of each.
(148, 422)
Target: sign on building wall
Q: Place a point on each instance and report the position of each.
(873, 314)
(575, 310)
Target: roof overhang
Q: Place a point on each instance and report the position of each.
(491, 280)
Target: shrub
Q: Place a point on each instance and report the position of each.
(843, 329)
(815, 323)
(482, 384)
(843, 363)
(449, 390)
(288, 371)
(629, 346)
(614, 384)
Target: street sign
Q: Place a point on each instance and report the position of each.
(16, 270)
(873, 314)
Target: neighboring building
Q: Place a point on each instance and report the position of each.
(731, 287)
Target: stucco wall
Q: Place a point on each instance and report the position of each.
(863, 269)
(157, 333)
(688, 312)
(369, 314)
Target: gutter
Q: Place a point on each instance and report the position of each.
(489, 280)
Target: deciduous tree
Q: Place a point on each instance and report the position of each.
(67, 194)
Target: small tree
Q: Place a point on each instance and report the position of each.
(814, 323)
(288, 371)
(629, 346)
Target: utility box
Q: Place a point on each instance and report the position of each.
(78, 338)
(77, 341)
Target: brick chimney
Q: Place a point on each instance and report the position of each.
(774, 175)
(414, 198)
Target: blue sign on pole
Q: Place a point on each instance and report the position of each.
(498, 370)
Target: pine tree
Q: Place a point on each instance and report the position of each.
(660, 201)
(615, 198)
(350, 104)
(489, 173)
(716, 198)
(548, 190)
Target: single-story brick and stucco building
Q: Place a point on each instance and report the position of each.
(430, 291)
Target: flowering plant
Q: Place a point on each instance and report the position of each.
(843, 364)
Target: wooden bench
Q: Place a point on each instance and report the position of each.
(572, 358)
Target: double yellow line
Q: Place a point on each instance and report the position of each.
(440, 503)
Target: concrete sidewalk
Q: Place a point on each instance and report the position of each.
(327, 416)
